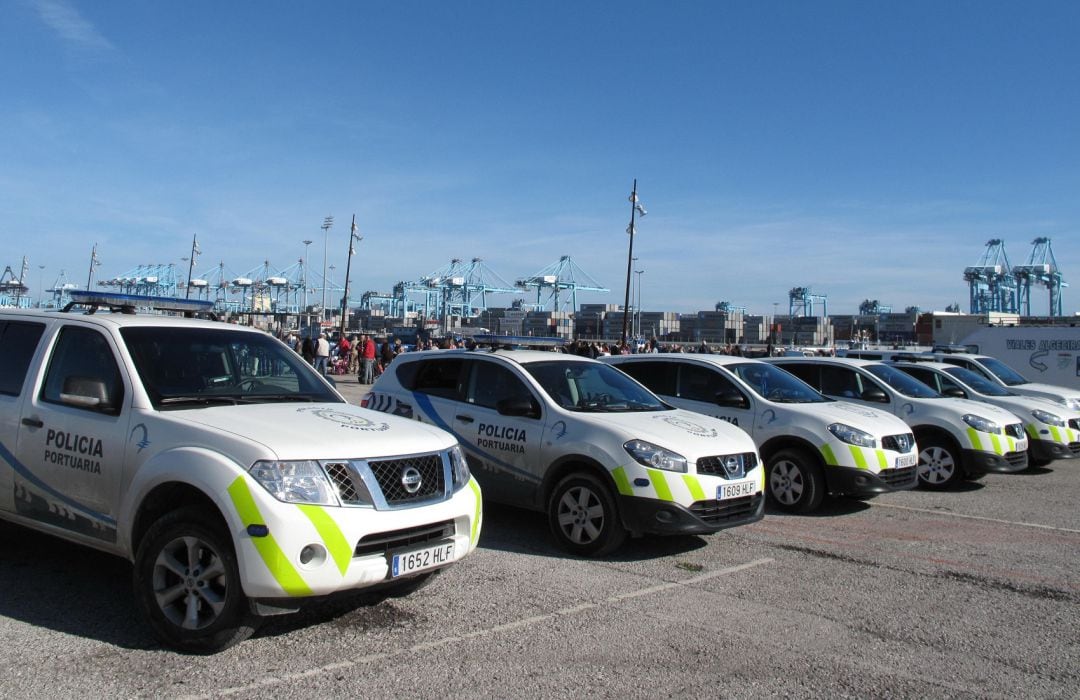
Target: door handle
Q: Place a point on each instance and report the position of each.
(33, 422)
(465, 419)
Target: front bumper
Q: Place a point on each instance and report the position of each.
(849, 481)
(1048, 450)
(655, 517)
(979, 462)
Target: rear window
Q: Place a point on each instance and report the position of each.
(18, 342)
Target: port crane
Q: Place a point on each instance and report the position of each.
(801, 302)
(564, 275)
(1041, 269)
(991, 283)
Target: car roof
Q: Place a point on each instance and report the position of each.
(521, 357)
(843, 361)
(683, 357)
(122, 320)
(941, 366)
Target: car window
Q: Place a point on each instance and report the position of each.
(841, 381)
(698, 383)
(978, 382)
(906, 385)
(18, 342)
(440, 377)
(592, 387)
(811, 374)
(490, 383)
(83, 365)
(927, 377)
(772, 383)
(658, 376)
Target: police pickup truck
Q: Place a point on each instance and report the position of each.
(232, 475)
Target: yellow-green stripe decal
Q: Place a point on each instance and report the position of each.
(973, 435)
(659, 482)
(621, 482)
(858, 456)
(882, 460)
(827, 453)
(1055, 433)
(331, 535)
(479, 509)
(1032, 431)
(995, 441)
(696, 492)
(276, 562)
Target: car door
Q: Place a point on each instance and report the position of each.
(501, 423)
(18, 344)
(73, 436)
(707, 390)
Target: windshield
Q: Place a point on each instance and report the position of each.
(774, 384)
(197, 367)
(592, 387)
(904, 383)
(977, 382)
(1007, 375)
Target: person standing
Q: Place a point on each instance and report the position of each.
(368, 357)
(322, 353)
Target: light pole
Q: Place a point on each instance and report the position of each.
(635, 208)
(191, 263)
(353, 236)
(327, 224)
(41, 273)
(94, 262)
(304, 280)
(633, 302)
(637, 305)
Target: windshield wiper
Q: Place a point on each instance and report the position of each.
(198, 400)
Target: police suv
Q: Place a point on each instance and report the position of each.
(1000, 373)
(1053, 431)
(232, 475)
(581, 441)
(811, 444)
(957, 438)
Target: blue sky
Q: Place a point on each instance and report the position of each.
(864, 149)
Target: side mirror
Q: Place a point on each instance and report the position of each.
(518, 406)
(955, 392)
(87, 392)
(730, 398)
(874, 394)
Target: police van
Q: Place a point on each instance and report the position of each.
(580, 441)
(957, 438)
(234, 477)
(1053, 431)
(811, 444)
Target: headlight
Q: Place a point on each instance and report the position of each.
(982, 424)
(655, 456)
(1048, 418)
(295, 482)
(852, 436)
(459, 467)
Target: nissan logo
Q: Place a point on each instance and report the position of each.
(411, 479)
(733, 466)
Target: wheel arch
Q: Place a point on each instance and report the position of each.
(788, 442)
(570, 464)
(165, 498)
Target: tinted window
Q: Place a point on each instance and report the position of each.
(702, 384)
(658, 376)
(840, 381)
(925, 376)
(908, 386)
(440, 377)
(83, 365)
(978, 382)
(811, 374)
(490, 383)
(772, 383)
(592, 386)
(18, 341)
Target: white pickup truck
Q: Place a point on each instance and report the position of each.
(232, 475)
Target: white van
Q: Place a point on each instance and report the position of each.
(957, 438)
(811, 444)
(1043, 354)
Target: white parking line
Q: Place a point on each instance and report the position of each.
(497, 629)
(975, 517)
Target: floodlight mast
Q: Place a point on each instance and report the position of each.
(353, 236)
(635, 208)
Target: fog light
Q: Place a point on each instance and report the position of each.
(860, 481)
(312, 556)
(663, 516)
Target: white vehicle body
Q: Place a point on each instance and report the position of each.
(801, 434)
(1043, 354)
(997, 371)
(531, 421)
(956, 437)
(1053, 430)
(116, 423)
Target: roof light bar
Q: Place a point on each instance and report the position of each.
(127, 303)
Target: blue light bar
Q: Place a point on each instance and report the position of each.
(132, 301)
(519, 341)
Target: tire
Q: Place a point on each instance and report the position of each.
(187, 583)
(939, 463)
(584, 517)
(795, 481)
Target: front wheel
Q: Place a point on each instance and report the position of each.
(187, 583)
(939, 463)
(584, 517)
(795, 481)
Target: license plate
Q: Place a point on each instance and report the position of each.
(736, 490)
(907, 460)
(405, 563)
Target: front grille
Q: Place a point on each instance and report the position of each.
(714, 465)
(341, 476)
(1074, 447)
(391, 477)
(898, 477)
(1015, 430)
(383, 542)
(719, 512)
(1017, 459)
(898, 443)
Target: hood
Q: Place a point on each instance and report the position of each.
(692, 435)
(1050, 391)
(978, 408)
(321, 431)
(1024, 405)
(865, 418)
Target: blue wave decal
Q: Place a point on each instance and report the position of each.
(426, 406)
(32, 478)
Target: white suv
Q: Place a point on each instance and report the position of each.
(581, 441)
(811, 444)
(1000, 373)
(957, 438)
(230, 473)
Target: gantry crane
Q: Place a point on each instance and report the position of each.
(801, 299)
(992, 286)
(563, 275)
(1041, 269)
